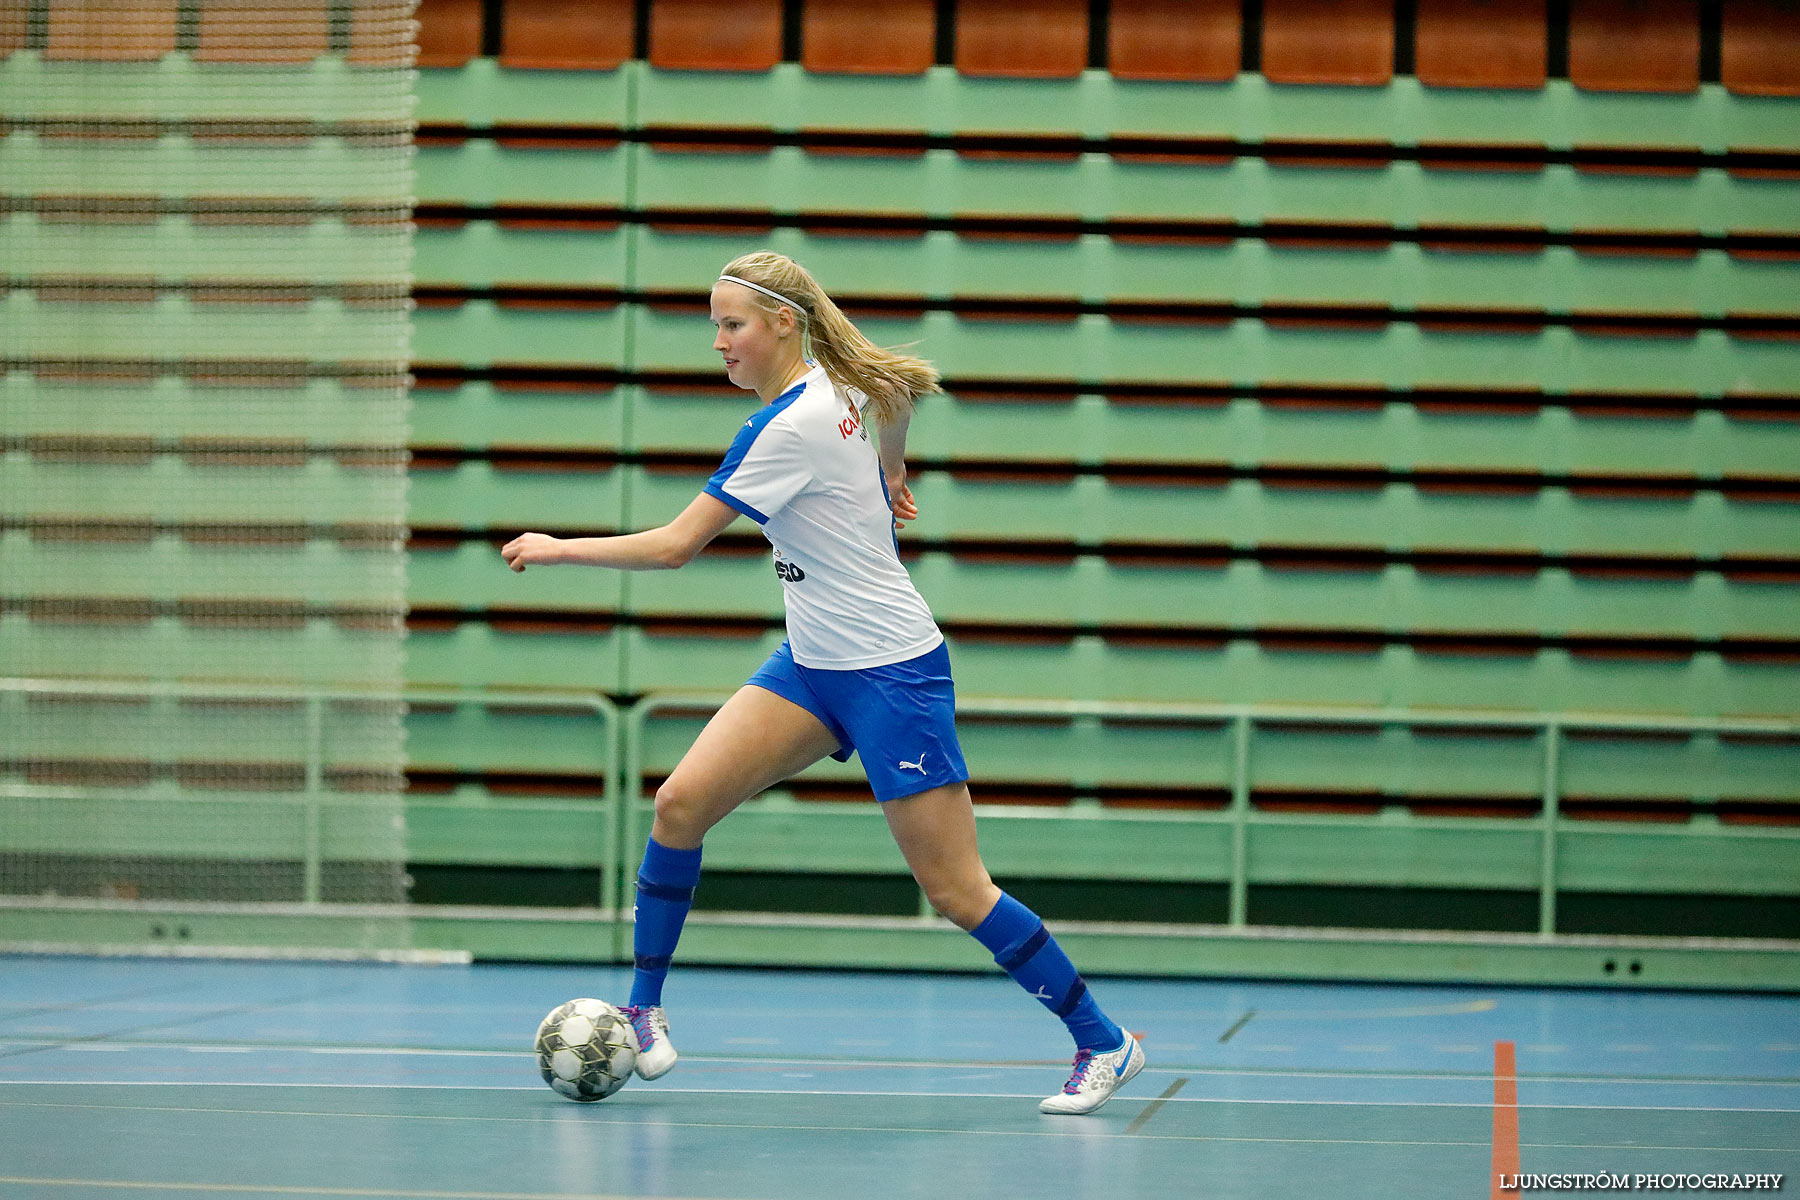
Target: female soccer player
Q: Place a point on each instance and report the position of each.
(864, 668)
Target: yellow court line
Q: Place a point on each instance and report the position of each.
(852, 1064)
(1461, 1008)
(270, 1189)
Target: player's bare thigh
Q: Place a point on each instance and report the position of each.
(756, 740)
(935, 831)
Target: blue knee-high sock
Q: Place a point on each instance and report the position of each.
(1025, 950)
(665, 892)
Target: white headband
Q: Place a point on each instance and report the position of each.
(757, 287)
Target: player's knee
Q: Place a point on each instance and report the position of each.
(679, 815)
(965, 903)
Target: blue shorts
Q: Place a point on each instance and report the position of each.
(901, 718)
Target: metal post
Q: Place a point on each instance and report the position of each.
(315, 788)
(1552, 803)
(1240, 815)
(615, 792)
(621, 897)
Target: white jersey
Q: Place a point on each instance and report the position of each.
(805, 469)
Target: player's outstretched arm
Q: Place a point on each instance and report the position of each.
(663, 548)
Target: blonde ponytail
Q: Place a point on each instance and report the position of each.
(891, 381)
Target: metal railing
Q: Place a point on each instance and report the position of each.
(314, 702)
(1242, 720)
(623, 736)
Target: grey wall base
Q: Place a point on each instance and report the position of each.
(595, 935)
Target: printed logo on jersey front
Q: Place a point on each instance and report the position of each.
(786, 571)
(852, 426)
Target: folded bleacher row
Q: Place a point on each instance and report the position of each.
(1449, 427)
(1633, 45)
(1398, 395)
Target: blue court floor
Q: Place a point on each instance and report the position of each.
(150, 1077)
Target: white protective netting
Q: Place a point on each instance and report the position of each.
(206, 244)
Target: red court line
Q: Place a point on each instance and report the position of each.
(1506, 1122)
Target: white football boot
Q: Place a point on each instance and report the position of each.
(656, 1053)
(1095, 1078)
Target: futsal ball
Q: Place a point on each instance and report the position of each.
(586, 1049)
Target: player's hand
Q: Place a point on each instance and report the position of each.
(531, 550)
(904, 506)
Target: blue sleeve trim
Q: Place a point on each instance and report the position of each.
(748, 432)
(740, 446)
(718, 493)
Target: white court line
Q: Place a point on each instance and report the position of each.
(270, 1189)
(1060, 1131)
(694, 1091)
(1646, 1146)
(794, 1128)
(102, 1042)
(415, 1051)
(1479, 1077)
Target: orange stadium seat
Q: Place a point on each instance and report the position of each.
(897, 37)
(715, 35)
(126, 31)
(1482, 43)
(237, 31)
(1759, 47)
(1181, 40)
(1635, 45)
(1022, 39)
(383, 36)
(449, 32)
(553, 35)
(1328, 41)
